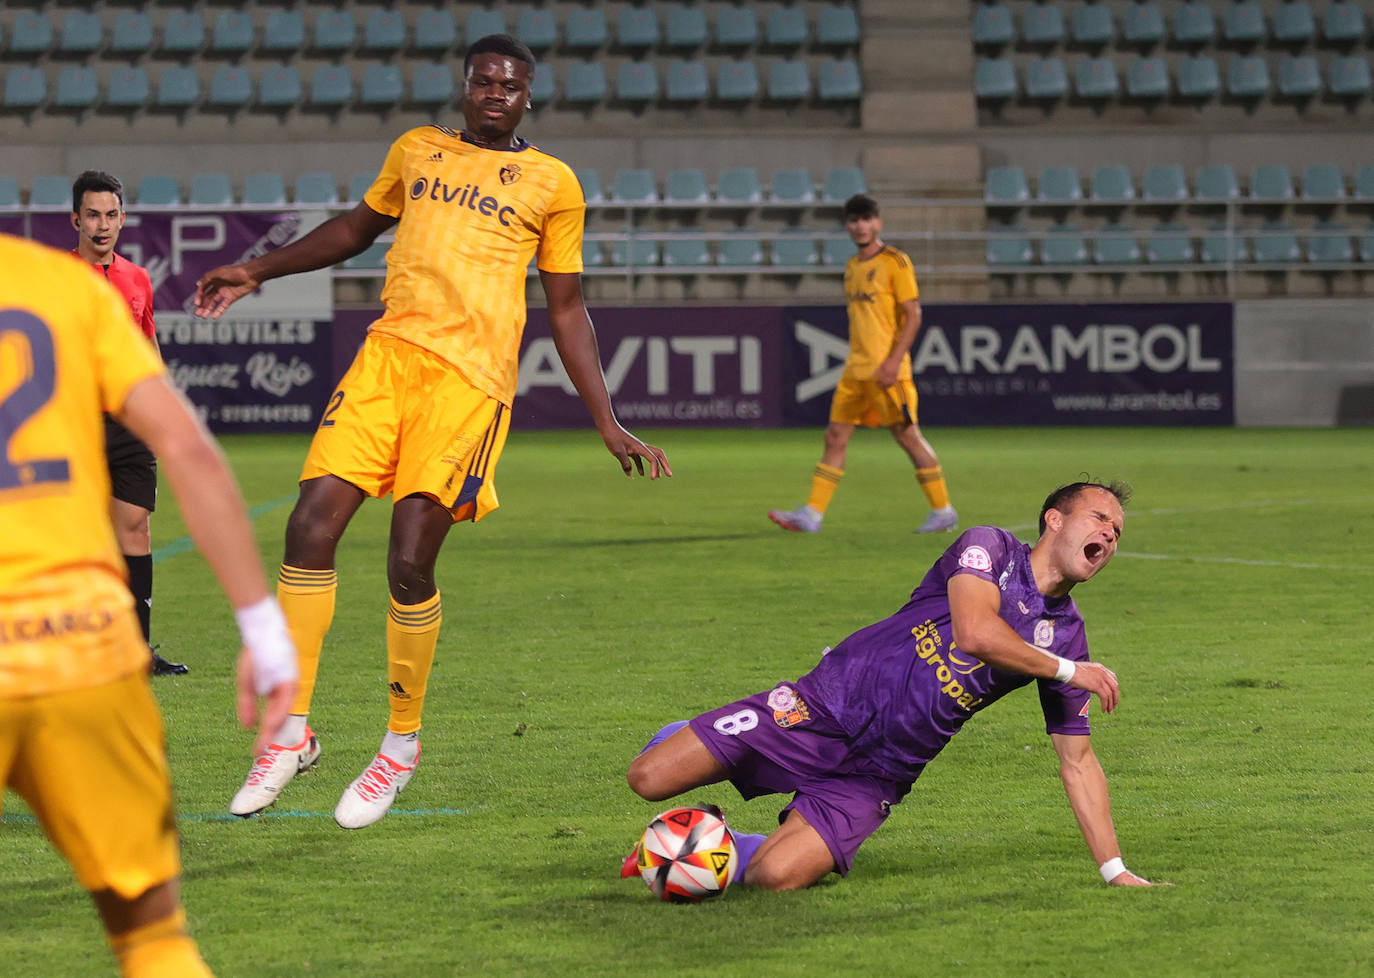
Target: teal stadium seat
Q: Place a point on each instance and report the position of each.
(1276, 244)
(384, 30)
(1364, 183)
(684, 27)
(1169, 244)
(183, 34)
(995, 79)
(264, 190)
(1343, 23)
(1116, 244)
(50, 190)
(1329, 242)
(316, 187)
(211, 190)
(584, 83)
(132, 34)
(335, 31)
(836, 251)
(786, 27)
(432, 84)
(837, 25)
(739, 252)
(690, 252)
(1271, 181)
(1194, 24)
(1199, 79)
(372, 257)
(178, 88)
(31, 34)
(837, 80)
(284, 33)
(1322, 181)
(590, 181)
(634, 185)
(737, 81)
(637, 81)
(1243, 23)
(1046, 79)
(1367, 245)
(1092, 26)
(436, 31)
(843, 182)
(1063, 244)
(1006, 186)
(1009, 246)
(1142, 25)
(736, 27)
(279, 87)
(1294, 23)
(686, 187)
(232, 34)
(1348, 77)
(794, 252)
(1096, 79)
(158, 190)
(1042, 25)
(1248, 77)
(788, 81)
(585, 29)
(1218, 247)
(1147, 77)
(77, 89)
(636, 28)
(542, 87)
(331, 87)
(481, 22)
(792, 186)
(1216, 183)
(592, 256)
(537, 27)
(82, 34)
(382, 87)
(634, 253)
(129, 88)
(1299, 77)
(358, 186)
(993, 26)
(9, 193)
(741, 185)
(1059, 185)
(1111, 185)
(1164, 184)
(686, 82)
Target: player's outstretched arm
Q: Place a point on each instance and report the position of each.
(575, 340)
(213, 510)
(333, 241)
(1086, 785)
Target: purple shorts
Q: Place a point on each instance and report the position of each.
(775, 743)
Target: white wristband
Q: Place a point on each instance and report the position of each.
(263, 628)
(1066, 670)
(1111, 869)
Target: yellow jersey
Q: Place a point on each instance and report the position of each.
(471, 220)
(69, 350)
(875, 289)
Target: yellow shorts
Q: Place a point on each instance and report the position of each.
(863, 402)
(404, 421)
(93, 766)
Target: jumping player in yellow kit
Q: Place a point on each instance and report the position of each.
(424, 410)
(80, 736)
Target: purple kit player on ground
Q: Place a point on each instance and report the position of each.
(849, 738)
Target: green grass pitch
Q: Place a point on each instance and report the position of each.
(592, 609)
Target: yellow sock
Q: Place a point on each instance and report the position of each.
(933, 485)
(824, 480)
(307, 600)
(412, 632)
(161, 949)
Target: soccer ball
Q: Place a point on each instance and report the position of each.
(687, 854)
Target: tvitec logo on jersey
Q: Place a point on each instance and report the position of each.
(469, 195)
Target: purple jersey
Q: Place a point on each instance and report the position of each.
(901, 689)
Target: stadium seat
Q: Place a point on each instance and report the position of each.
(358, 186)
(994, 78)
(1364, 183)
(794, 251)
(786, 27)
(335, 31)
(635, 253)
(1367, 245)
(1169, 244)
(1276, 244)
(1009, 246)
(686, 187)
(1216, 182)
(264, 189)
(279, 87)
(1111, 185)
(432, 84)
(481, 22)
(436, 30)
(285, 32)
(837, 80)
(637, 27)
(690, 252)
(993, 26)
(537, 27)
(1096, 79)
(1042, 25)
(1194, 24)
(542, 86)
(1115, 244)
(1248, 77)
(158, 190)
(1348, 77)
(1147, 78)
(1164, 184)
(791, 186)
(331, 87)
(82, 33)
(372, 257)
(1142, 25)
(1294, 23)
(1063, 244)
(637, 81)
(592, 256)
(129, 88)
(684, 27)
(384, 30)
(178, 88)
(381, 87)
(1322, 181)
(1006, 185)
(316, 187)
(1329, 242)
(686, 82)
(1271, 181)
(1059, 185)
(132, 34)
(737, 81)
(1243, 23)
(1343, 23)
(843, 182)
(590, 180)
(31, 34)
(740, 185)
(739, 252)
(232, 34)
(1198, 78)
(634, 186)
(788, 81)
(837, 25)
(50, 190)
(211, 189)
(736, 27)
(584, 83)
(183, 34)
(1092, 25)
(1299, 77)
(836, 251)
(77, 89)
(1047, 79)
(585, 29)
(9, 193)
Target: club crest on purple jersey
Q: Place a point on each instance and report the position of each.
(788, 708)
(1044, 633)
(975, 558)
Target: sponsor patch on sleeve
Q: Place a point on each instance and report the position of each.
(975, 558)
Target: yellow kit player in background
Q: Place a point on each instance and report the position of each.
(424, 410)
(80, 736)
(876, 387)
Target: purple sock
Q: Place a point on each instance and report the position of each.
(746, 844)
(664, 734)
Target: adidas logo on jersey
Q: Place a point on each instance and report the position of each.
(435, 157)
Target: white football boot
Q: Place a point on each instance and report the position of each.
(939, 520)
(799, 520)
(372, 793)
(270, 773)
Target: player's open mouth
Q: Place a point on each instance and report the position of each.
(1093, 552)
